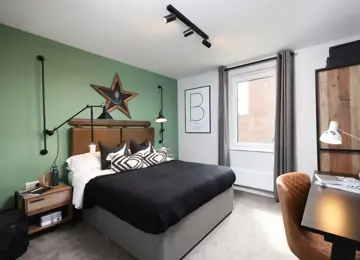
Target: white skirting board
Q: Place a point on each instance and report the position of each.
(254, 179)
(254, 191)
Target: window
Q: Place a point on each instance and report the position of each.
(252, 107)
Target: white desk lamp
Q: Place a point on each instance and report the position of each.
(332, 135)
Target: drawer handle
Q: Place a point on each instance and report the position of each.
(33, 201)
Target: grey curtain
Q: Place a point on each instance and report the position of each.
(284, 122)
(224, 149)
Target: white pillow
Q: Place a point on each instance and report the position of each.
(84, 162)
(165, 151)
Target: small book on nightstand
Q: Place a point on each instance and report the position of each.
(35, 191)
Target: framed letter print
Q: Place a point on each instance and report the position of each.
(197, 110)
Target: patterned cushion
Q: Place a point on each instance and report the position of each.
(105, 151)
(123, 163)
(153, 159)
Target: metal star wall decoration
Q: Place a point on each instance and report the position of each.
(116, 97)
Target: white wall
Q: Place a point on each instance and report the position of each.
(203, 148)
(306, 62)
(199, 147)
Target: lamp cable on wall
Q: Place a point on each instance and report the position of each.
(161, 119)
(46, 132)
(57, 150)
(42, 60)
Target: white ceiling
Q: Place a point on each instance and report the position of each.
(132, 31)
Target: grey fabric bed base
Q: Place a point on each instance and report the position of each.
(175, 242)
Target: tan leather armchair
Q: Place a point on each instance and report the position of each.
(293, 189)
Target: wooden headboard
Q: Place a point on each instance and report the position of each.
(108, 132)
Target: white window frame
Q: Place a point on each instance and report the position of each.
(258, 71)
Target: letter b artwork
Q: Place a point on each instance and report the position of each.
(197, 110)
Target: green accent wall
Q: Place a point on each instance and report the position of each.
(68, 75)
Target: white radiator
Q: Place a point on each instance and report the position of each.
(254, 179)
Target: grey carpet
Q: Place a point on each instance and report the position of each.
(253, 231)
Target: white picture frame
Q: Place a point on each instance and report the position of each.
(197, 110)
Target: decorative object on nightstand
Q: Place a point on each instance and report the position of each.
(51, 178)
(161, 119)
(48, 209)
(45, 179)
(54, 176)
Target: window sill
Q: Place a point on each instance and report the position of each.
(252, 149)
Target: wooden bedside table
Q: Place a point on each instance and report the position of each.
(58, 198)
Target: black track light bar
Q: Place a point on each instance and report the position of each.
(187, 22)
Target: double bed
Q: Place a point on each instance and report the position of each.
(156, 213)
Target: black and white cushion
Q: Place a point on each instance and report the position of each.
(105, 151)
(123, 163)
(151, 159)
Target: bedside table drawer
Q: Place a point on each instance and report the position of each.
(40, 204)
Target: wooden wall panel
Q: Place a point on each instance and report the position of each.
(338, 99)
(335, 103)
(323, 103)
(340, 162)
(355, 105)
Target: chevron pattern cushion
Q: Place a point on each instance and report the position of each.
(153, 158)
(123, 163)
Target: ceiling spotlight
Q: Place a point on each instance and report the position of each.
(169, 18)
(206, 43)
(188, 32)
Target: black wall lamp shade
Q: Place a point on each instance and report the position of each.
(105, 114)
(161, 118)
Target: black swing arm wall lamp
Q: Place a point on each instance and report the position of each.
(46, 132)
